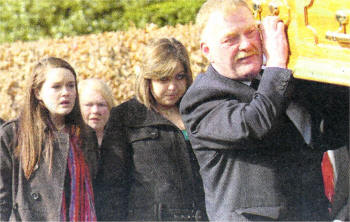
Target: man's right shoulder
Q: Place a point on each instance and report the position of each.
(202, 82)
(202, 78)
(201, 90)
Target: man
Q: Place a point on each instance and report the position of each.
(254, 147)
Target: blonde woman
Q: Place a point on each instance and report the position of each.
(96, 101)
(47, 158)
(146, 142)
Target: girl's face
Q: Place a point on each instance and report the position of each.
(94, 109)
(58, 92)
(168, 90)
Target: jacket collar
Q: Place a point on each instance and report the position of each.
(212, 70)
(229, 86)
(139, 115)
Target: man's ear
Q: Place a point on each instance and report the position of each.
(205, 50)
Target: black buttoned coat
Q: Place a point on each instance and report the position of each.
(149, 172)
(40, 197)
(253, 155)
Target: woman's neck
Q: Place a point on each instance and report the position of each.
(58, 122)
(99, 135)
(167, 110)
(172, 114)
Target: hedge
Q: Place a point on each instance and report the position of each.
(114, 57)
(36, 19)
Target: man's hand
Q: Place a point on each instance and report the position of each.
(274, 40)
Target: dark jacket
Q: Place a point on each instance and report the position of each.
(253, 159)
(340, 206)
(149, 152)
(40, 197)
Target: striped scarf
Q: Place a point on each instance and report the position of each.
(81, 204)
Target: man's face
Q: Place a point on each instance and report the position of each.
(233, 44)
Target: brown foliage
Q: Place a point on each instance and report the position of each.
(112, 56)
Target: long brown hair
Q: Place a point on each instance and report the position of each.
(35, 132)
(160, 60)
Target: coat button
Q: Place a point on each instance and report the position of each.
(154, 134)
(199, 215)
(35, 196)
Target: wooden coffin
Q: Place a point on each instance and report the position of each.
(319, 36)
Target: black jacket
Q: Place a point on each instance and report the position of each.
(146, 156)
(254, 161)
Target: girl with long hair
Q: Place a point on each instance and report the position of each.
(47, 157)
(148, 166)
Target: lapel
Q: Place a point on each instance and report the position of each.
(301, 119)
(227, 87)
(60, 156)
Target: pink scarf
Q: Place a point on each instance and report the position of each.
(81, 204)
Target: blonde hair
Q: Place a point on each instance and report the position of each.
(99, 86)
(35, 126)
(160, 60)
(210, 6)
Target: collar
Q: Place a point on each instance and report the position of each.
(137, 115)
(211, 69)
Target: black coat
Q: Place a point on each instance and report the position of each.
(254, 161)
(40, 197)
(341, 204)
(149, 170)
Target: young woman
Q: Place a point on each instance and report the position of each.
(147, 158)
(96, 102)
(47, 158)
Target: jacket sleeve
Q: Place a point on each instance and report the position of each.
(113, 177)
(6, 139)
(225, 122)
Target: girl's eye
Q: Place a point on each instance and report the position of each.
(71, 85)
(56, 86)
(102, 105)
(88, 104)
(180, 76)
(164, 79)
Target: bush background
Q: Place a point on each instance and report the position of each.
(114, 57)
(35, 19)
(101, 38)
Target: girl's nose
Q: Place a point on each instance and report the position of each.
(172, 85)
(65, 91)
(94, 108)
